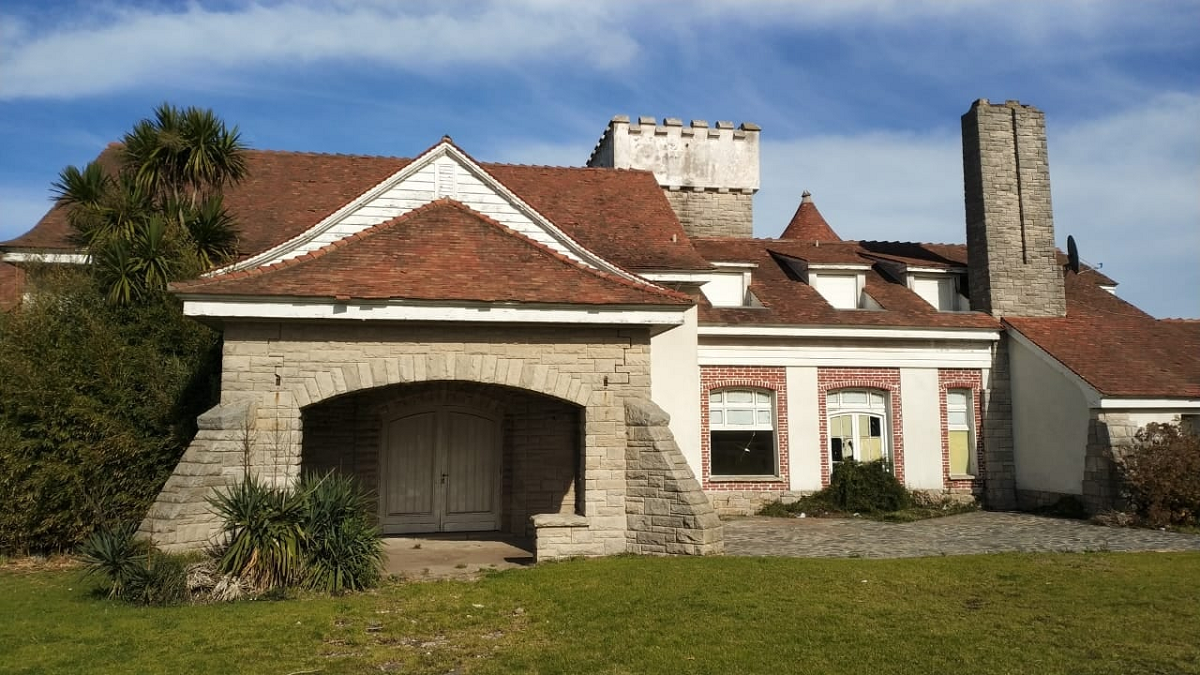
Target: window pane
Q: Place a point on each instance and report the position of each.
(876, 427)
(854, 397)
(876, 399)
(839, 425)
(960, 453)
(743, 453)
(718, 417)
(764, 418)
(870, 449)
(831, 399)
(957, 418)
(956, 398)
(835, 449)
(763, 397)
(742, 417)
(738, 396)
(716, 396)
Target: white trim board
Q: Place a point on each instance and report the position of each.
(53, 258)
(827, 354)
(393, 311)
(861, 332)
(442, 172)
(1150, 403)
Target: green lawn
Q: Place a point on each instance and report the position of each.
(1059, 613)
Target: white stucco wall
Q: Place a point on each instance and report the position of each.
(1050, 423)
(804, 431)
(675, 384)
(922, 426)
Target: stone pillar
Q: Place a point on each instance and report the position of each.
(999, 463)
(668, 511)
(1012, 264)
(181, 518)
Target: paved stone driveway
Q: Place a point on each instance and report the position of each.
(978, 532)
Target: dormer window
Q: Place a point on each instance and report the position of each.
(729, 285)
(842, 285)
(940, 290)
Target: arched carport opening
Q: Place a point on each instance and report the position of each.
(452, 456)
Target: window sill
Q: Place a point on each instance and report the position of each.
(961, 476)
(745, 479)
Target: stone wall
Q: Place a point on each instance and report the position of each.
(1109, 435)
(713, 214)
(667, 510)
(1013, 268)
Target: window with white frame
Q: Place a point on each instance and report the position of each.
(742, 433)
(858, 426)
(960, 422)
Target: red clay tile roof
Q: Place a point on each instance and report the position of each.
(1115, 347)
(12, 285)
(441, 251)
(790, 302)
(620, 215)
(808, 224)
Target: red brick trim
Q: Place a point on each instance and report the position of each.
(773, 379)
(884, 379)
(962, 379)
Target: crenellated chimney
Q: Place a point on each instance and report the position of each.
(1012, 264)
(709, 174)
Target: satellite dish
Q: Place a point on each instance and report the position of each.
(1072, 255)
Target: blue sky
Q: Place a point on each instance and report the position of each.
(859, 100)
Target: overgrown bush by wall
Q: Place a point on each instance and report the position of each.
(97, 403)
(1162, 475)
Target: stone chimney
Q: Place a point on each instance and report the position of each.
(1013, 269)
(709, 174)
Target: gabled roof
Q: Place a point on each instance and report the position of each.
(1115, 347)
(808, 224)
(443, 251)
(620, 215)
(790, 302)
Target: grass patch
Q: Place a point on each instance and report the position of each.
(1059, 613)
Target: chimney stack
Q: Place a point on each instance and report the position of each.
(1012, 263)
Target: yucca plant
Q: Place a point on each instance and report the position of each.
(117, 555)
(264, 533)
(342, 549)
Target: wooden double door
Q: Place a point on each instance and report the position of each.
(440, 471)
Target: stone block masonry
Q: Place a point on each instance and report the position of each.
(713, 214)
(1013, 267)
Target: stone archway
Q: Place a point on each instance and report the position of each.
(272, 372)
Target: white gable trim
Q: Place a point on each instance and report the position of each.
(256, 308)
(866, 332)
(50, 258)
(433, 176)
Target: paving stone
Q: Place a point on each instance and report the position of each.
(964, 534)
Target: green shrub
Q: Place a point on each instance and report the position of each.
(132, 568)
(97, 404)
(342, 549)
(866, 487)
(264, 531)
(1162, 475)
(117, 556)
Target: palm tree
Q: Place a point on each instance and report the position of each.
(161, 217)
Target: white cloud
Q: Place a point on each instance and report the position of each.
(98, 48)
(129, 47)
(1123, 184)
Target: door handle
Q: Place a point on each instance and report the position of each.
(444, 478)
